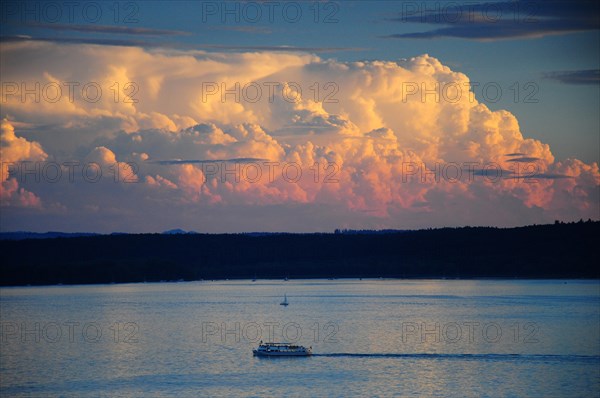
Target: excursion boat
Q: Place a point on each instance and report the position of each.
(281, 350)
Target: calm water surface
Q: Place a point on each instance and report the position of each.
(370, 338)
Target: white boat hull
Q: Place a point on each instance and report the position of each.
(280, 354)
(281, 350)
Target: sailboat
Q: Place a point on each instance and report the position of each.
(284, 302)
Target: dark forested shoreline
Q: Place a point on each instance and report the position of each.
(542, 251)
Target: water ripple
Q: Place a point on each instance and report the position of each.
(477, 357)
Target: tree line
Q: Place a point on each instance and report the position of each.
(539, 251)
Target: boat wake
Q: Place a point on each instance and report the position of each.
(467, 357)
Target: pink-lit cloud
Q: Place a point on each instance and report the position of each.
(378, 143)
(14, 151)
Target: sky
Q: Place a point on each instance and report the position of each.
(300, 116)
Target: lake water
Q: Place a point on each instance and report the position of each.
(410, 338)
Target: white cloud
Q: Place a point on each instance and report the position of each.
(14, 151)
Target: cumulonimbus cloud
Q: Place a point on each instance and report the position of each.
(323, 143)
(14, 152)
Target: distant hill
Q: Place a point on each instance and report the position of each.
(20, 235)
(540, 251)
(178, 232)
